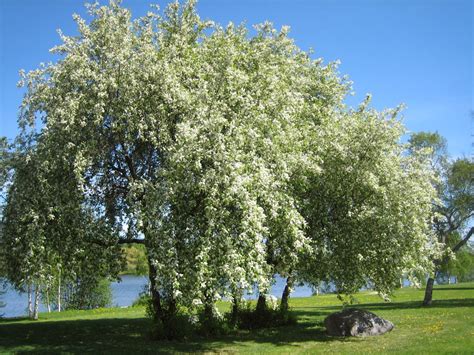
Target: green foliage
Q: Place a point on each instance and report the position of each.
(49, 236)
(434, 143)
(454, 207)
(465, 272)
(136, 262)
(458, 196)
(462, 264)
(88, 293)
(211, 324)
(178, 325)
(143, 299)
(367, 209)
(248, 317)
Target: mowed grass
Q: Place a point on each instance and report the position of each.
(446, 326)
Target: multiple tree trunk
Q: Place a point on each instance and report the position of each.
(33, 300)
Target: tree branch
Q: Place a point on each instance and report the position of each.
(120, 241)
(463, 241)
(131, 241)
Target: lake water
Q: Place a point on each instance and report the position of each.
(123, 294)
(127, 290)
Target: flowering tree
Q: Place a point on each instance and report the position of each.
(188, 140)
(368, 209)
(230, 155)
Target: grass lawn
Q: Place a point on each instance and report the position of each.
(446, 326)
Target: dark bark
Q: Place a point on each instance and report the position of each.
(429, 292)
(234, 316)
(261, 303)
(164, 312)
(463, 241)
(170, 321)
(120, 241)
(208, 311)
(208, 318)
(286, 294)
(172, 308)
(131, 241)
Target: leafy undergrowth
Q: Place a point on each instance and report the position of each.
(446, 326)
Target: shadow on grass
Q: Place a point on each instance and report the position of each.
(124, 335)
(14, 319)
(451, 288)
(448, 303)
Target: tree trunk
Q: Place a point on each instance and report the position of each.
(261, 303)
(30, 302)
(234, 316)
(155, 294)
(59, 291)
(47, 300)
(172, 309)
(208, 311)
(36, 310)
(429, 292)
(169, 320)
(286, 294)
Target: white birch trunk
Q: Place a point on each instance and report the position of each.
(59, 294)
(37, 294)
(47, 300)
(30, 304)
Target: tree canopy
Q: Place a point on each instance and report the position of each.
(229, 153)
(454, 207)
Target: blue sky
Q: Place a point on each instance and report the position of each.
(417, 52)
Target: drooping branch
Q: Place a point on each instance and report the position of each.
(120, 241)
(131, 241)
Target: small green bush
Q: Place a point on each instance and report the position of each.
(248, 317)
(179, 326)
(89, 293)
(211, 322)
(143, 299)
(187, 323)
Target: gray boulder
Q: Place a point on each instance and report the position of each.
(356, 322)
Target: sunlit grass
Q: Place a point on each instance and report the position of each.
(446, 326)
